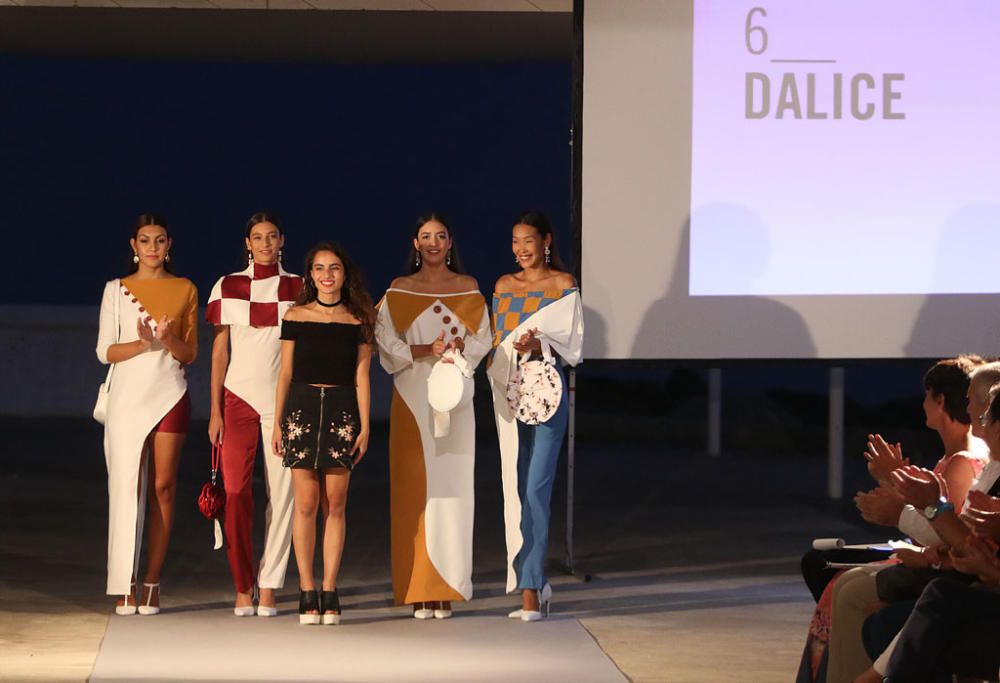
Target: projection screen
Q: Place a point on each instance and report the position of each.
(788, 179)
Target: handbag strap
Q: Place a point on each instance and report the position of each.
(216, 460)
(546, 352)
(118, 328)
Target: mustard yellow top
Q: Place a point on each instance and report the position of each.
(174, 297)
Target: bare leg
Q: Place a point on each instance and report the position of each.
(305, 488)
(267, 598)
(335, 483)
(529, 600)
(163, 462)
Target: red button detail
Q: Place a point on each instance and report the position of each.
(141, 309)
(447, 319)
(134, 300)
(454, 330)
(437, 309)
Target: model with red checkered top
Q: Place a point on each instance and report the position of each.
(246, 309)
(149, 332)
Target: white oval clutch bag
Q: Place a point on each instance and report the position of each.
(534, 391)
(448, 388)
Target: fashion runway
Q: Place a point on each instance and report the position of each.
(684, 588)
(372, 645)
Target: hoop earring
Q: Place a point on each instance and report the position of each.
(548, 255)
(135, 257)
(417, 260)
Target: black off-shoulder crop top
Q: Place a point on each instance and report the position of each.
(325, 353)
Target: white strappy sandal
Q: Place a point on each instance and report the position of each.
(148, 609)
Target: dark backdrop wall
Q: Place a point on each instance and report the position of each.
(352, 153)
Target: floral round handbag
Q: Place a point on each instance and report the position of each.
(535, 390)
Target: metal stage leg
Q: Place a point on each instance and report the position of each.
(568, 566)
(715, 412)
(835, 465)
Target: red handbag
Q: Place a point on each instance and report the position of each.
(212, 499)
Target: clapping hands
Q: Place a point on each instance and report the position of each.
(884, 458)
(919, 487)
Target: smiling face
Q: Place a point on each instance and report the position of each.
(151, 244)
(327, 273)
(264, 242)
(529, 246)
(432, 243)
(991, 435)
(978, 409)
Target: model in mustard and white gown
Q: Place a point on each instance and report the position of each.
(431, 478)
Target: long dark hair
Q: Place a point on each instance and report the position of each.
(260, 217)
(354, 295)
(141, 222)
(455, 264)
(540, 222)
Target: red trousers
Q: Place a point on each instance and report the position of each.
(242, 430)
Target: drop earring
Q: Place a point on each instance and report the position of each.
(167, 258)
(448, 258)
(416, 262)
(281, 254)
(249, 258)
(135, 258)
(548, 253)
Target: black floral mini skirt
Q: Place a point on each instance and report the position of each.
(319, 426)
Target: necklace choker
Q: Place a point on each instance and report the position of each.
(335, 303)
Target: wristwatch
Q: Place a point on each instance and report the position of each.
(932, 511)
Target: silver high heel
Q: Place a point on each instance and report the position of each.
(544, 601)
(148, 609)
(126, 610)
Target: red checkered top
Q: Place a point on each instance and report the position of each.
(257, 297)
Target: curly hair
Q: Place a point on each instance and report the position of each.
(354, 294)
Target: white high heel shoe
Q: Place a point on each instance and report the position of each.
(423, 612)
(126, 610)
(265, 610)
(247, 610)
(544, 601)
(442, 612)
(148, 609)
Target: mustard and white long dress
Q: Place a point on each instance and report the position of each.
(431, 478)
(144, 388)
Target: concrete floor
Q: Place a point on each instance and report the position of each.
(693, 561)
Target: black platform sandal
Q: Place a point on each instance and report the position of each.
(308, 602)
(330, 608)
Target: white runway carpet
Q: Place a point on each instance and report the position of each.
(370, 645)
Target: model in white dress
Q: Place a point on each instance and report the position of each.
(151, 340)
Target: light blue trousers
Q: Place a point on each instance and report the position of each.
(537, 456)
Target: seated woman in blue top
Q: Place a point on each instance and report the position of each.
(537, 314)
(322, 413)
